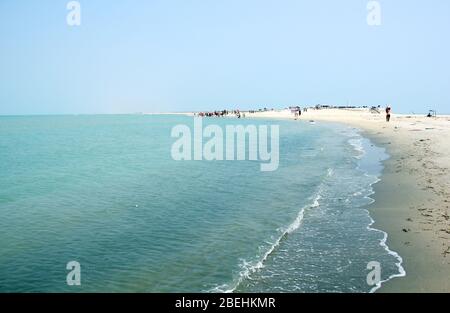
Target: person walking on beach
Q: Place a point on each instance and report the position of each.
(388, 113)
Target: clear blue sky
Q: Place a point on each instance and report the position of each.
(167, 55)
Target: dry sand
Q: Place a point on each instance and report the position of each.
(412, 198)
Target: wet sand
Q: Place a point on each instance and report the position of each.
(413, 196)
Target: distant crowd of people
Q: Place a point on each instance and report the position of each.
(222, 113)
(296, 110)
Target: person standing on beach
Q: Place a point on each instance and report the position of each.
(388, 113)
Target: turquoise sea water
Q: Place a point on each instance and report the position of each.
(104, 191)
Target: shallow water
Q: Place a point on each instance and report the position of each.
(104, 191)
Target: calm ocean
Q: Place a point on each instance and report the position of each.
(105, 191)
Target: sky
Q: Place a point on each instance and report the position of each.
(193, 55)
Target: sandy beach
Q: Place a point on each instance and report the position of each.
(412, 198)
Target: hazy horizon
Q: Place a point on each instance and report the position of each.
(178, 56)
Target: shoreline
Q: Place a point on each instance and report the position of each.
(412, 197)
(398, 210)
